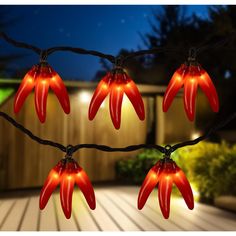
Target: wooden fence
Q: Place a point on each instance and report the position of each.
(24, 163)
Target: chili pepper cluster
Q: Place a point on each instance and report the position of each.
(116, 83)
(189, 76)
(165, 173)
(67, 173)
(41, 77)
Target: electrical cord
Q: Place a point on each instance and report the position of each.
(70, 149)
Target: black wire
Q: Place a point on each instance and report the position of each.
(30, 134)
(19, 44)
(70, 149)
(45, 52)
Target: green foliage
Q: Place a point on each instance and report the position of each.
(5, 93)
(135, 169)
(210, 167)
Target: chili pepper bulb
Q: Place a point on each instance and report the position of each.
(164, 174)
(189, 76)
(42, 77)
(51, 183)
(148, 184)
(165, 188)
(190, 91)
(184, 187)
(209, 89)
(67, 187)
(116, 83)
(99, 95)
(83, 182)
(25, 88)
(175, 84)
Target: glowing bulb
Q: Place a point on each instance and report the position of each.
(85, 97)
(195, 135)
(178, 78)
(177, 174)
(103, 104)
(44, 81)
(154, 176)
(167, 177)
(69, 177)
(104, 86)
(128, 85)
(55, 175)
(30, 80)
(53, 78)
(79, 174)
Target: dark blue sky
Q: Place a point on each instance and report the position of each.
(103, 28)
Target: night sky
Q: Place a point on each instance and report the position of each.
(103, 28)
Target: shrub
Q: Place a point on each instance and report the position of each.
(211, 167)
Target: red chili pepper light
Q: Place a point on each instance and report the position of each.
(190, 91)
(117, 83)
(52, 181)
(42, 77)
(176, 83)
(150, 181)
(164, 174)
(189, 76)
(67, 173)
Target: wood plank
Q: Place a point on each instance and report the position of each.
(48, 220)
(30, 220)
(14, 218)
(230, 216)
(105, 222)
(64, 224)
(118, 216)
(219, 222)
(6, 206)
(151, 213)
(81, 214)
(140, 219)
(177, 214)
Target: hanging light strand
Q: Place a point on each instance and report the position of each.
(70, 149)
(207, 45)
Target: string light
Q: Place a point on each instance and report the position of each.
(42, 77)
(117, 83)
(189, 75)
(67, 172)
(165, 173)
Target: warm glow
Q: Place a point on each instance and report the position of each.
(153, 175)
(118, 88)
(178, 78)
(79, 174)
(167, 177)
(104, 86)
(44, 81)
(69, 177)
(195, 135)
(103, 104)
(177, 174)
(55, 176)
(53, 78)
(128, 85)
(85, 97)
(30, 80)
